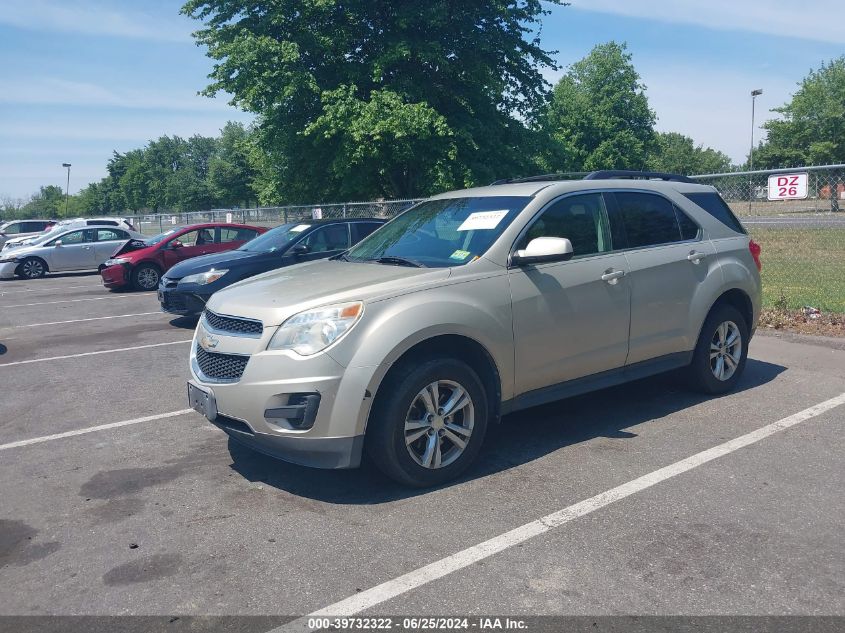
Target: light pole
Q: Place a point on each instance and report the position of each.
(754, 94)
(67, 189)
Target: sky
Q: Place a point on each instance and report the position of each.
(80, 79)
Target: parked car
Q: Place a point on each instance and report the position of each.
(22, 229)
(74, 249)
(141, 263)
(473, 304)
(64, 225)
(186, 287)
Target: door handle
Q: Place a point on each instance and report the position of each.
(612, 275)
(696, 257)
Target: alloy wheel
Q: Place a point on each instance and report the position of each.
(725, 350)
(439, 424)
(147, 278)
(32, 268)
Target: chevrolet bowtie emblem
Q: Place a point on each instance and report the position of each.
(209, 342)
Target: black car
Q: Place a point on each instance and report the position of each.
(186, 287)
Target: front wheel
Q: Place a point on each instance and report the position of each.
(32, 268)
(145, 277)
(721, 352)
(428, 422)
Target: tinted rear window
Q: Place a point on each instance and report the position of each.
(712, 202)
(648, 219)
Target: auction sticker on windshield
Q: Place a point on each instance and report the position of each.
(299, 228)
(482, 220)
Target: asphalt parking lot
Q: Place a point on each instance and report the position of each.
(161, 514)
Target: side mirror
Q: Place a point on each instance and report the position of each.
(57, 243)
(176, 244)
(300, 249)
(541, 250)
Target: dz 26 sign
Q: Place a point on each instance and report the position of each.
(788, 187)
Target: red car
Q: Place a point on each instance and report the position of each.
(142, 263)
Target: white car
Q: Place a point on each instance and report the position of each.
(74, 249)
(65, 225)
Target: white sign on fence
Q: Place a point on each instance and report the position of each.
(788, 186)
(316, 213)
(228, 218)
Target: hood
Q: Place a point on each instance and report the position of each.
(204, 263)
(274, 296)
(130, 249)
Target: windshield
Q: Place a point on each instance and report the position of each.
(276, 239)
(158, 238)
(440, 233)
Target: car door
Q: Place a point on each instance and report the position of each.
(324, 241)
(73, 251)
(187, 245)
(570, 318)
(107, 242)
(668, 261)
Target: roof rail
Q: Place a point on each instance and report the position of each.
(568, 175)
(607, 174)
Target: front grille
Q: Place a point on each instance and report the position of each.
(216, 366)
(173, 301)
(233, 324)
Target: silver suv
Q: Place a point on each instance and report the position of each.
(474, 304)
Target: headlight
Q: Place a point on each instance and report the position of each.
(204, 278)
(312, 331)
(116, 261)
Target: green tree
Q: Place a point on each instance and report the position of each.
(812, 128)
(679, 154)
(231, 171)
(598, 116)
(457, 83)
(49, 202)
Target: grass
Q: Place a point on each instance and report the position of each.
(803, 267)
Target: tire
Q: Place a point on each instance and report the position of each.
(32, 268)
(400, 403)
(146, 277)
(714, 354)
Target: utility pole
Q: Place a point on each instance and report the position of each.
(67, 188)
(754, 95)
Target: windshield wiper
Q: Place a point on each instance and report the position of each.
(398, 261)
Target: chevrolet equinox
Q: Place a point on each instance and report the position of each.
(474, 304)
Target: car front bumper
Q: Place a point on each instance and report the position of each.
(116, 276)
(181, 302)
(248, 409)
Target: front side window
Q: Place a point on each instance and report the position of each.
(199, 237)
(77, 237)
(648, 219)
(441, 233)
(334, 237)
(580, 219)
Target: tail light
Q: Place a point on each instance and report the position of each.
(755, 249)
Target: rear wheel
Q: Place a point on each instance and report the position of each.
(428, 422)
(146, 277)
(721, 352)
(32, 268)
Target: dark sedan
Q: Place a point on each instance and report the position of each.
(187, 286)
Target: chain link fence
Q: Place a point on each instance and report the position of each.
(272, 216)
(803, 240)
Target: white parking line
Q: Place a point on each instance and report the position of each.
(8, 292)
(445, 566)
(50, 303)
(92, 429)
(118, 316)
(104, 351)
